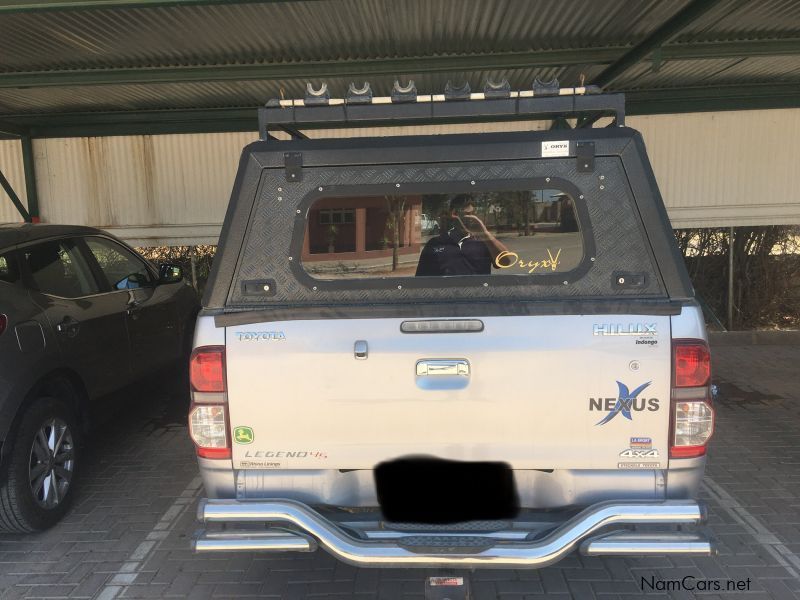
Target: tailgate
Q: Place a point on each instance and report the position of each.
(536, 392)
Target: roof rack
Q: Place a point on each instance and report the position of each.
(456, 105)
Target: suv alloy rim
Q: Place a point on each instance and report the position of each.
(51, 463)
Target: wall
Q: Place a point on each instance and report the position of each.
(149, 190)
(726, 168)
(714, 169)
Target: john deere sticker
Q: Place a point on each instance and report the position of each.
(243, 435)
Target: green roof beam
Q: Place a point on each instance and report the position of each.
(306, 70)
(660, 36)
(713, 98)
(658, 101)
(11, 130)
(384, 66)
(32, 6)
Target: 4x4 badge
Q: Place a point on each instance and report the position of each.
(243, 435)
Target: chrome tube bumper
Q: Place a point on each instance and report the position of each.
(298, 527)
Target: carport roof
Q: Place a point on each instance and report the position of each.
(128, 66)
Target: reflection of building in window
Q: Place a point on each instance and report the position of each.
(363, 228)
(383, 235)
(337, 216)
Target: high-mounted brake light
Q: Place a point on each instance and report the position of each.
(208, 414)
(691, 412)
(207, 369)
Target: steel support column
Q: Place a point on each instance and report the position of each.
(28, 165)
(731, 239)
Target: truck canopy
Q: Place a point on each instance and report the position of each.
(295, 202)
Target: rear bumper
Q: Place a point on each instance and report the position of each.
(536, 489)
(294, 526)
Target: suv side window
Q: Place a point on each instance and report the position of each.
(121, 267)
(58, 268)
(8, 268)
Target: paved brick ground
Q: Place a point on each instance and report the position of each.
(128, 535)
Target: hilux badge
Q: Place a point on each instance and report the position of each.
(638, 329)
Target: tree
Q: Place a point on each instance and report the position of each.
(396, 207)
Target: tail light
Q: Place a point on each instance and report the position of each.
(207, 369)
(692, 364)
(3, 323)
(692, 415)
(208, 414)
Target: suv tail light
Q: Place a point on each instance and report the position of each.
(692, 415)
(208, 414)
(3, 323)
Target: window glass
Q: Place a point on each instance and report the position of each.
(123, 269)
(8, 269)
(57, 268)
(520, 232)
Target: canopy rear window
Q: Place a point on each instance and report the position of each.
(522, 232)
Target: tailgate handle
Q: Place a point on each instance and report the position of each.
(428, 368)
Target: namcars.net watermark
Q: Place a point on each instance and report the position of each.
(690, 583)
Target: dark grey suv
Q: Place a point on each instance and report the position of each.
(81, 316)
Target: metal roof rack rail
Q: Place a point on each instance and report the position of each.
(546, 100)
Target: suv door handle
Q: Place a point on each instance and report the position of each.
(68, 326)
(133, 310)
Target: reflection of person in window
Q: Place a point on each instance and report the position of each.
(464, 247)
(569, 223)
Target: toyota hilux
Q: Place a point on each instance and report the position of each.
(529, 378)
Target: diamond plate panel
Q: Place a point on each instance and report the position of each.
(613, 222)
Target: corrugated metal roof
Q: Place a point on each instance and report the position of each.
(746, 19)
(577, 38)
(303, 31)
(688, 72)
(721, 71)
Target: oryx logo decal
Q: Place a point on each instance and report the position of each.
(625, 403)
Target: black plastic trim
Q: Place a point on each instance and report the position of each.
(634, 306)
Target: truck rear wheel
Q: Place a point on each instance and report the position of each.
(38, 475)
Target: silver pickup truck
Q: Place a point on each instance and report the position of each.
(528, 378)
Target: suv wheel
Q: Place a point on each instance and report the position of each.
(37, 477)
